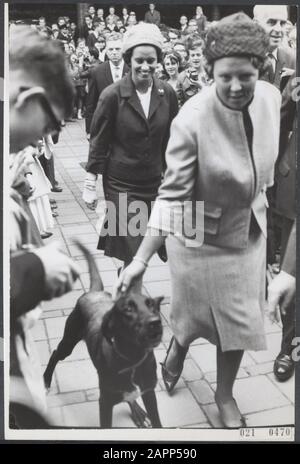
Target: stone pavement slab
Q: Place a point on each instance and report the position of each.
(191, 370)
(79, 375)
(84, 414)
(202, 391)
(269, 397)
(270, 418)
(186, 412)
(63, 399)
(285, 387)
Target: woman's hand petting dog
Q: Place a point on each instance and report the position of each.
(128, 277)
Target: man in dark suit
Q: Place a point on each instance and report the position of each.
(87, 26)
(93, 35)
(282, 196)
(282, 291)
(104, 75)
(152, 16)
(281, 294)
(282, 65)
(282, 59)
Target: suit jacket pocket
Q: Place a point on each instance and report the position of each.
(212, 216)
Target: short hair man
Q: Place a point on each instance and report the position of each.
(283, 60)
(183, 23)
(36, 64)
(105, 74)
(193, 26)
(112, 17)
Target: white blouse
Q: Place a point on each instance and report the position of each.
(145, 99)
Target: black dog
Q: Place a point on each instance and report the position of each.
(120, 338)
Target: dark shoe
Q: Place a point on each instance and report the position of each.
(45, 235)
(226, 415)
(54, 206)
(56, 189)
(52, 201)
(54, 214)
(169, 379)
(283, 367)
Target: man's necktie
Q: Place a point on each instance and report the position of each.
(272, 67)
(117, 73)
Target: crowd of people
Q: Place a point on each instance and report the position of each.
(171, 115)
(85, 47)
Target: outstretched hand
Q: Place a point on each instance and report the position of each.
(60, 270)
(281, 293)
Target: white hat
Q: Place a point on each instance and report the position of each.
(262, 12)
(142, 34)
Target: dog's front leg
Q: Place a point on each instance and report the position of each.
(150, 402)
(106, 404)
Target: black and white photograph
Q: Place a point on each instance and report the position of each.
(150, 221)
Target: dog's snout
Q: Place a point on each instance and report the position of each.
(154, 324)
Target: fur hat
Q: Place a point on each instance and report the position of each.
(142, 34)
(236, 34)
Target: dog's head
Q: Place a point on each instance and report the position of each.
(134, 318)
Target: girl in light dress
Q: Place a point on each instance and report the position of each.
(40, 185)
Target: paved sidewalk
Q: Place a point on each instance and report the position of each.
(73, 397)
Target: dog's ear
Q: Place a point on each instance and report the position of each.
(108, 324)
(158, 300)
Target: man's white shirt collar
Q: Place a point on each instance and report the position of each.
(275, 53)
(113, 69)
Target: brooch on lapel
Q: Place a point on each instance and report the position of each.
(161, 92)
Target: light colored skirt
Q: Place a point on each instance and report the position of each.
(41, 211)
(219, 293)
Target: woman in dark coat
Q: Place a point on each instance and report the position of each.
(129, 135)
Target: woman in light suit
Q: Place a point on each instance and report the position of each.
(222, 150)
